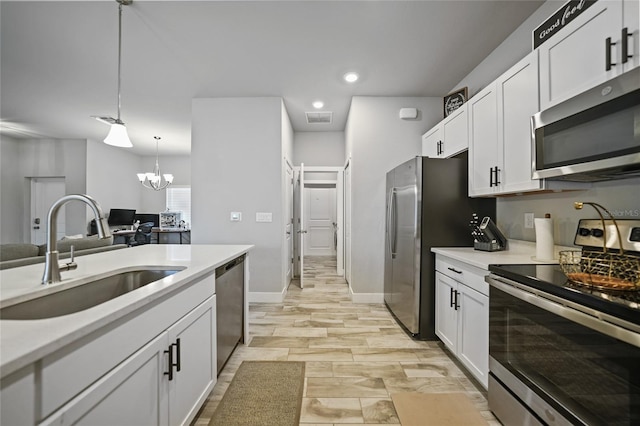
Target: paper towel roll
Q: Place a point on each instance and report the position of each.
(544, 238)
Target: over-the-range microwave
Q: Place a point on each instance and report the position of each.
(593, 136)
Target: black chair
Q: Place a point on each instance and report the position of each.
(142, 235)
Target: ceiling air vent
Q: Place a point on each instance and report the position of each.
(319, 117)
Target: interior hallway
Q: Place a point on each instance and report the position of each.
(356, 355)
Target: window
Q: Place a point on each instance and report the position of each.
(179, 200)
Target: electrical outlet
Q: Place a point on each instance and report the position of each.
(528, 220)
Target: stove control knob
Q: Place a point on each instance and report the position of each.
(597, 232)
(585, 232)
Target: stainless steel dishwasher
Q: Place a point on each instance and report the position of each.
(229, 308)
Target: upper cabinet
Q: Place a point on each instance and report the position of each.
(499, 132)
(599, 44)
(449, 137)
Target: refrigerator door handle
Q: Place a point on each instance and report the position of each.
(394, 224)
(388, 219)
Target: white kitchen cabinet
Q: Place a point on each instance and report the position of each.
(500, 153)
(431, 142)
(576, 58)
(18, 392)
(483, 142)
(462, 314)
(194, 340)
(163, 383)
(449, 137)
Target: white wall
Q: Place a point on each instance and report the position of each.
(236, 160)
(618, 196)
(319, 149)
(54, 158)
(11, 192)
(378, 140)
(112, 179)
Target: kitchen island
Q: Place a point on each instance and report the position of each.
(57, 369)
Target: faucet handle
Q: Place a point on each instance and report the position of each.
(72, 253)
(70, 265)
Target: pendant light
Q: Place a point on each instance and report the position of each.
(118, 133)
(153, 180)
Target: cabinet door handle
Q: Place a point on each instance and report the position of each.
(177, 345)
(497, 182)
(608, 45)
(491, 177)
(625, 45)
(451, 302)
(170, 372)
(454, 270)
(457, 305)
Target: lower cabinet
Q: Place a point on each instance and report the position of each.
(462, 318)
(163, 383)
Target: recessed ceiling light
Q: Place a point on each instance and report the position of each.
(351, 77)
(318, 104)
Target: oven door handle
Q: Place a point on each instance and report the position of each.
(595, 320)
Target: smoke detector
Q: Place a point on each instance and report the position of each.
(319, 117)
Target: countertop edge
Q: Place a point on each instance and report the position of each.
(12, 359)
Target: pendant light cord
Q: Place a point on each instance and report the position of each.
(119, 55)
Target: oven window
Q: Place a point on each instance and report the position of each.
(594, 377)
(608, 130)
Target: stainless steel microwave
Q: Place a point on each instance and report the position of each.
(593, 136)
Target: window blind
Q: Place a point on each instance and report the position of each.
(179, 200)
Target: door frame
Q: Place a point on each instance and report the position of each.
(287, 221)
(340, 249)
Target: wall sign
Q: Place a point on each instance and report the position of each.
(559, 20)
(454, 100)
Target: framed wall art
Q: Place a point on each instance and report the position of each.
(454, 100)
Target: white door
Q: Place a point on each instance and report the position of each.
(288, 223)
(446, 311)
(347, 221)
(320, 221)
(473, 332)
(45, 192)
(301, 230)
(432, 142)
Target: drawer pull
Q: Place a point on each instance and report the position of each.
(170, 372)
(454, 270)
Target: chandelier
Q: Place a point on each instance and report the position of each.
(118, 133)
(153, 180)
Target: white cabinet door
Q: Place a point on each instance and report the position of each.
(432, 142)
(134, 393)
(517, 92)
(473, 332)
(446, 313)
(575, 58)
(631, 21)
(483, 142)
(455, 134)
(193, 342)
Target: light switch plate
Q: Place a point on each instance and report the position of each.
(528, 220)
(264, 217)
(236, 217)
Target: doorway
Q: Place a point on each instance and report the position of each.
(45, 192)
(319, 202)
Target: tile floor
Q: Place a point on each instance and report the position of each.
(356, 355)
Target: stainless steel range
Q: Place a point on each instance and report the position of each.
(565, 353)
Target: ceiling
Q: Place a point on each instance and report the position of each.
(59, 59)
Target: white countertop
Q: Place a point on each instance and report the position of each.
(24, 341)
(519, 252)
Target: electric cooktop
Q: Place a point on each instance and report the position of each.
(550, 278)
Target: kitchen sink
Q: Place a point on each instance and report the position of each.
(84, 296)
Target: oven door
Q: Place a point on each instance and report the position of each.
(568, 364)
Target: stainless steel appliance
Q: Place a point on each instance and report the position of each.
(427, 206)
(591, 137)
(561, 353)
(229, 308)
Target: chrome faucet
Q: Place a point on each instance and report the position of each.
(52, 267)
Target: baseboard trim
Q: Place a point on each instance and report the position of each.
(267, 297)
(366, 297)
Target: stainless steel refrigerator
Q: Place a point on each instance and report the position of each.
(426, 206)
